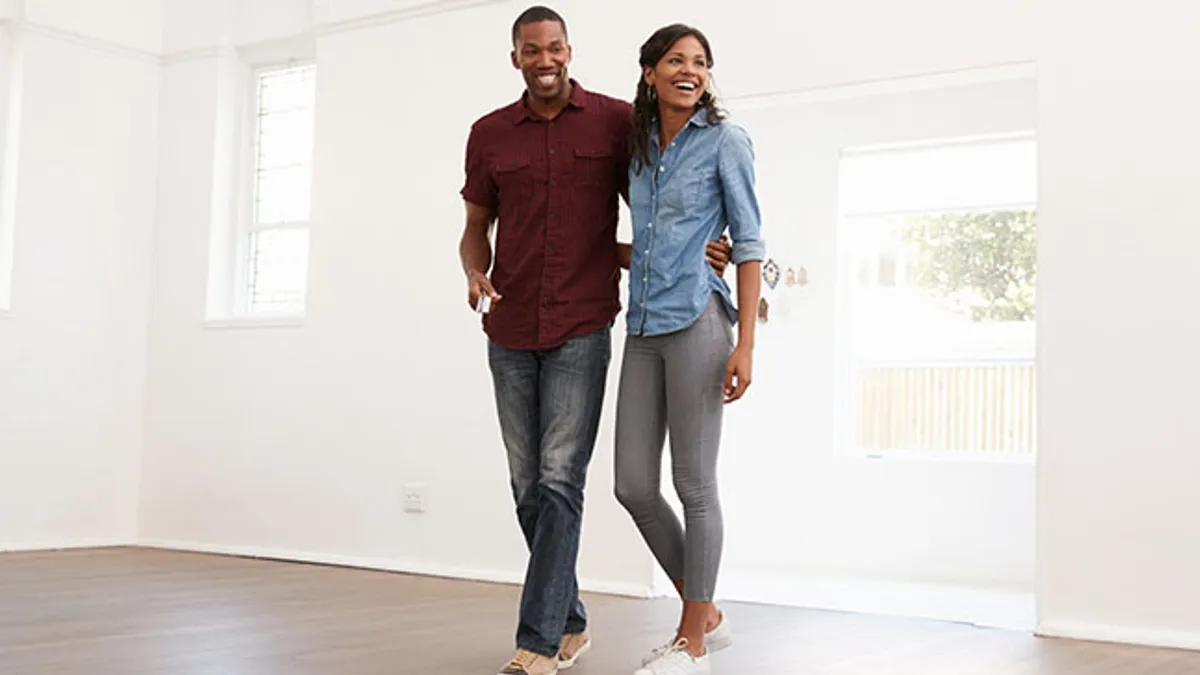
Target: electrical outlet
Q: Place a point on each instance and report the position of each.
(416, 498)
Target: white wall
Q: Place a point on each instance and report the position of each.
(72, 352)
(300, 439)
(1119, 504)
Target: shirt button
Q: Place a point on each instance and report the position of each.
(553, 183)
(649, 224)
(662, 168)
(551, 214)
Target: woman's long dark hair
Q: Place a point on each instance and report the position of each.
(645, 105)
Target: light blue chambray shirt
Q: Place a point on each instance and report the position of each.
(703, 183)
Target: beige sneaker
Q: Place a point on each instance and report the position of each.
(574, 645)
(529, 663)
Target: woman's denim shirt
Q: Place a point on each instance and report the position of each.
(686, 197)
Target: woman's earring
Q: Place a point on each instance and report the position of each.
(653, 94)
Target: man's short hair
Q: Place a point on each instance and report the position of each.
(536, 14)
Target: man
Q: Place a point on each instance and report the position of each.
(549, 169)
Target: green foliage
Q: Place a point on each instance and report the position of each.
(982, 263)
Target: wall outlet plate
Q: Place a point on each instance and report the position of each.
(416, 498)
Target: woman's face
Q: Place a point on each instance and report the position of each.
(680, 77)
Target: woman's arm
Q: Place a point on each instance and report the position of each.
(736, 165)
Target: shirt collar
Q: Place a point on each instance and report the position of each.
(521, 111)
(698, 118)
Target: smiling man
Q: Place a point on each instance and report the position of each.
(549, 171)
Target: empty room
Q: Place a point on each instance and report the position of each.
(479, 337)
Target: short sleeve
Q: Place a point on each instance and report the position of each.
(624, 126)
(479, 187)
(736, 166)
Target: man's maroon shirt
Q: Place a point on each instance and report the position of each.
(554, 186)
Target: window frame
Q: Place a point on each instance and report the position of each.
(11, 49)
(247, 197)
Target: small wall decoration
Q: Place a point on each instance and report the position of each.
(764, 309)
(790, 278)
(770, 272)
(802, 277)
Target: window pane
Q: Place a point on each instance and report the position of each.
(987, 174)
(284, 143)
(283, 195)
(943, 246)
(287, 89)
(278, 270)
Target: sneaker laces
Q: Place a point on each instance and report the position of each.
(523, 660)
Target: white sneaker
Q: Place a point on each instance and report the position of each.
(720, 637)
(677, 661)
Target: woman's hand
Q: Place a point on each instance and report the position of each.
(738, 373)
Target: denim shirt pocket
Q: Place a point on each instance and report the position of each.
(687, 188)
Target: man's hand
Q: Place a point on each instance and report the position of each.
(717, 253)
(478, 285)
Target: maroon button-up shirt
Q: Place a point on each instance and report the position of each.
(554, 186)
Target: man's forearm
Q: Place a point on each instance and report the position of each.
(475, 252)
(624, 255)
(749, 285)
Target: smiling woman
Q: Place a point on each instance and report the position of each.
(691, 177)
(678, 55)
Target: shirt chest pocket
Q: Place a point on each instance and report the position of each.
(514, 178)
(688, 188)
(593, 167)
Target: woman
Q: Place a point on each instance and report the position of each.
(692, 175)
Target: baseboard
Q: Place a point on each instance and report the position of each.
(981, 606)
(33, 547)
(388, 565)
(1128, 635)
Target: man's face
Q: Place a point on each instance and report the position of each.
(542, 54)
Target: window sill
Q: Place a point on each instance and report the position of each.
(938, 456)
(238, 322)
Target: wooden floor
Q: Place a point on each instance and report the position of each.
(144, 612)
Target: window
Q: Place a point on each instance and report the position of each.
(273, 249)
(939, 262)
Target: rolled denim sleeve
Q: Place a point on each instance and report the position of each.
(735, 162)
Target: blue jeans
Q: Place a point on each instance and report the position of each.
(549, 404)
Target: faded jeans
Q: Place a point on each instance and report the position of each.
(549, 405)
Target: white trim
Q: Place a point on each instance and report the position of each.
(99, 44)
(257, 321)
(1131, 635)
(187, 55)
(324, 28)
(48, 546)
(12, 54)
(979, 605)
(431, 8)
(1023, 70)
(423, 568)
